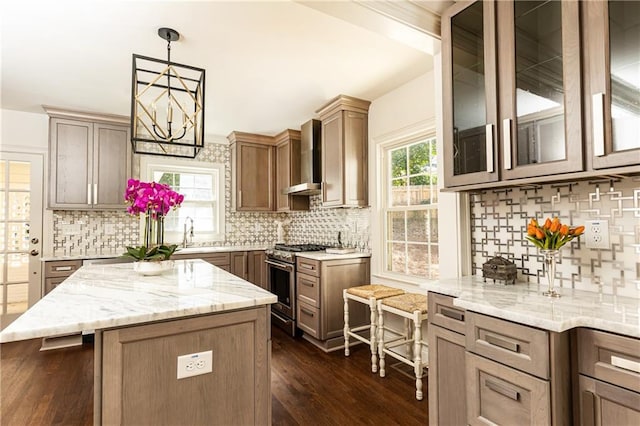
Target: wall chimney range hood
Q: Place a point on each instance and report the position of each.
(310, 171)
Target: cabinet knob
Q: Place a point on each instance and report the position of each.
(34, 252)
(35, 240)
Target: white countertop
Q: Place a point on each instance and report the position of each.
(104, 296)
(524, 303)
(117, 253)
(321, 255)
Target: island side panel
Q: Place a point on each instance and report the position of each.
(139, 368)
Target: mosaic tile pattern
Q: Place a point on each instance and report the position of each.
(79, 232)
(499, 220)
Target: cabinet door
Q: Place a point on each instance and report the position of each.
(257, 268)
(539, 69)
(355, 159)
(603, 404)
(447, 377)
(71, 160)
(612, 101)
(255, 175)
(332, 160)
(469, 93)
(238, 262)
(112, 165)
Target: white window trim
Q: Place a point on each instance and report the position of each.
(148, 163)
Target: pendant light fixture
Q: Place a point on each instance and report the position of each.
(167, 105)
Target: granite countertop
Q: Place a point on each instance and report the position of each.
(118, 252)
(321, 255)
(103, 296)
(524, 303)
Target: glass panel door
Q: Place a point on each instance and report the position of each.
(20, 228)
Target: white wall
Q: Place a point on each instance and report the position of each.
(411, 109)
(23, 131)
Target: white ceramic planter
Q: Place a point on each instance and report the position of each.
(152, 268)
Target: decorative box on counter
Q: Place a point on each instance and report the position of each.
(499, 268)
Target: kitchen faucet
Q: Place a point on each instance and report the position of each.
(186, 243)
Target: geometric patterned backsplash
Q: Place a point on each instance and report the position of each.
(108, 232)
(499, 226)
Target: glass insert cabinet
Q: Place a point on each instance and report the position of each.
(517, 82)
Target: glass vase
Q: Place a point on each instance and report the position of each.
(153, 229)
(550, 271)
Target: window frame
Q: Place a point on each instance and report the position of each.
(149, 165)
(385, 202)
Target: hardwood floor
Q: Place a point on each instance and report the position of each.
(309, 387)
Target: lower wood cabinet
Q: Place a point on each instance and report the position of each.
(56, 272)
(238, 264)
(604, 404)
(248, 265)
(257, 268)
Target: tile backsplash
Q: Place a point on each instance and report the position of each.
(107, 232)
(499, 225)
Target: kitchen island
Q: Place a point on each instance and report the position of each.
(143, 324)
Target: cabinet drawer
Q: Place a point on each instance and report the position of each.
(497, 394)
(518, 346)
(308, 266)
(308, 289)
(51, 283)
(443, 313)
(609, 357)
(62, 268)
(309, 319)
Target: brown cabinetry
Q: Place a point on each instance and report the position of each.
(238, 264)
(319, 298)
(56, 272)
(609, 380)
(252, 171)
(221, 260)
(447, 373)
(288, 171)
(89, 163)
(257, 268)
(344, 152)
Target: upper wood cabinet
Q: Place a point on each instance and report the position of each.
(344, 152)
(89, 163)
(252, 171)
(470, 111)
(288, 171)
(611, 34)
(539, 88)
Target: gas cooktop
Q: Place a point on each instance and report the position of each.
(300, 247)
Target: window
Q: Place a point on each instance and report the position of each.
(411, 208)
(202, 185)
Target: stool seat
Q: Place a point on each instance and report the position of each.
(376, 291)
(409, 302)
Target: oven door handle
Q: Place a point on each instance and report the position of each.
(280, 265)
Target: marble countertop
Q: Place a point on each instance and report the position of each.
(321, 255)
(118, 252)
(524, 303)
(104, 296)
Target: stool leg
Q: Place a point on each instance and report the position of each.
(346, 323)
(407, 337)
(372, 335)
(417, 349)
(381, 339)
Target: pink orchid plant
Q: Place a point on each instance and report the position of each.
(151, 197)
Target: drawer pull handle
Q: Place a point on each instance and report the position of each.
(625, 364)
(502, 390)
(503, 343)
(304, 311)
(64, 268)
(450, 313)
(307, 283)
(306, 266)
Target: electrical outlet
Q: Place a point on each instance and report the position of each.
(596, 233)
(195, 364)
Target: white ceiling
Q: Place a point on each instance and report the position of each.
(269, 64)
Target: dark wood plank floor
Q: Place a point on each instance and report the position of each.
(309, 387)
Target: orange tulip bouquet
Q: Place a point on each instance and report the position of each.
(552, 235)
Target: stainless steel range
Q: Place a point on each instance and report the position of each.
(281, 279)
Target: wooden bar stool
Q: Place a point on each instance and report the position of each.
(369, 295)
(408, 346)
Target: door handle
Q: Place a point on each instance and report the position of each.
(489, 147)
(34, 252)
(35, 241)
(597, 115)
(506, 139)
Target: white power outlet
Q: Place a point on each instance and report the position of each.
(596, 233)
(195, 364)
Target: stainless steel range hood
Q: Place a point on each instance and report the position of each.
(310, 173)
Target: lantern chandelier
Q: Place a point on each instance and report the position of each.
(167, 105)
